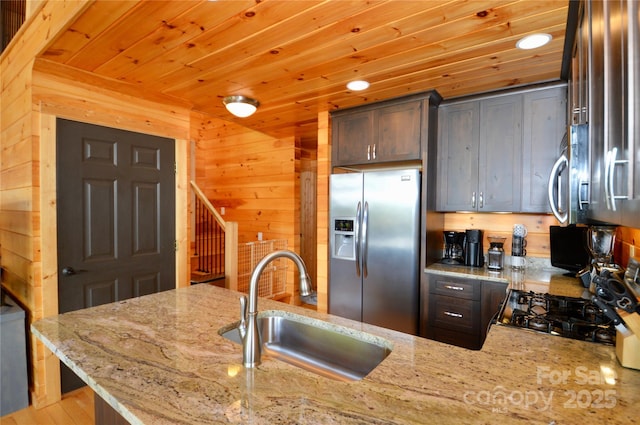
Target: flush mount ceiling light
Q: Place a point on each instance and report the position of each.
(533, 41)
(358, 85)
(240, 106)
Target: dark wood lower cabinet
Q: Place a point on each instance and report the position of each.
(460, 310)
(457, 338)
(493, 295)
(105, 414)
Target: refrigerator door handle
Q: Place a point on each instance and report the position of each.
(357, 236)
(365, 223)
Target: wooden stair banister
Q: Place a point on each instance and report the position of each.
(231, 255)
(208, 204)
(230, 230)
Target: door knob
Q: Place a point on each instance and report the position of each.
(70, 271)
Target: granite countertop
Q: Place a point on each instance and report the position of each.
(539, 276)
(159, 359)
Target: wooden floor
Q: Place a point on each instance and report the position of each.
(75, 408)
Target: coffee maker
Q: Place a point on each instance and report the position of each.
(473, 251)
(495, 255)
(453, 247)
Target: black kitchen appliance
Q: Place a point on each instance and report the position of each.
(568, 317)
(473, 251)
(453, 247)
(568, 246)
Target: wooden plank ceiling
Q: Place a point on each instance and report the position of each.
(295, 56)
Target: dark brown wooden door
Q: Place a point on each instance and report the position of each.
(116, 217)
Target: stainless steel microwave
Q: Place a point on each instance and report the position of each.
(569, 179)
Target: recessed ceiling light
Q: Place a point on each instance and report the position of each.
(533, 41)
(358, 85)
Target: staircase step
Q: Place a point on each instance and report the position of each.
(207, 278)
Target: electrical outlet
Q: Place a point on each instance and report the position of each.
(632, 251)
(222, 210)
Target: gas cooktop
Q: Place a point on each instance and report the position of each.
(569, 317)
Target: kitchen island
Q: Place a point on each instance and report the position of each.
(159, 359)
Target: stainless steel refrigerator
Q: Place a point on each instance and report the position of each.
(374, 247)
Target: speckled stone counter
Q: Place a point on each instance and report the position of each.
(159, 359)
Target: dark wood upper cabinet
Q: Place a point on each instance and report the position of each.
(479, 154)
(353, 136)
(383, 132)
(496, 152)
(543, 127)
(398, 131)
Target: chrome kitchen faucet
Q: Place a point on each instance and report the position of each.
(251, 350)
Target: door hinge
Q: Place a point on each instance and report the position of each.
(175, 167)
(175, 246)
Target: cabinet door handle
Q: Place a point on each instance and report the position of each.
(609, 178)
(473, 200)
(368, 152)
(451, 314)
(481, 200)
(583, 185)
(374, 151)
(454, 288)
(633, 88)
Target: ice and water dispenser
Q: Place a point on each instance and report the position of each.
(344, 237)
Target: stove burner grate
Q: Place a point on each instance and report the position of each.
(569, 317)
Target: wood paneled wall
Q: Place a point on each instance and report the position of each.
(502, 225)
(34, 93)
(254, 177)
(627, 245)
(20, 220)
(322, 205)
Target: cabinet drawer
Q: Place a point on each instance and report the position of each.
(455, 313)
(459, 339)
(458, 288)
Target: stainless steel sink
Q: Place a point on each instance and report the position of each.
(326, 349)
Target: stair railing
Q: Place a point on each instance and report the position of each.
(216, 241)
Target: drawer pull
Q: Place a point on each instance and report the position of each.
(448, 313)
(455, 288)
